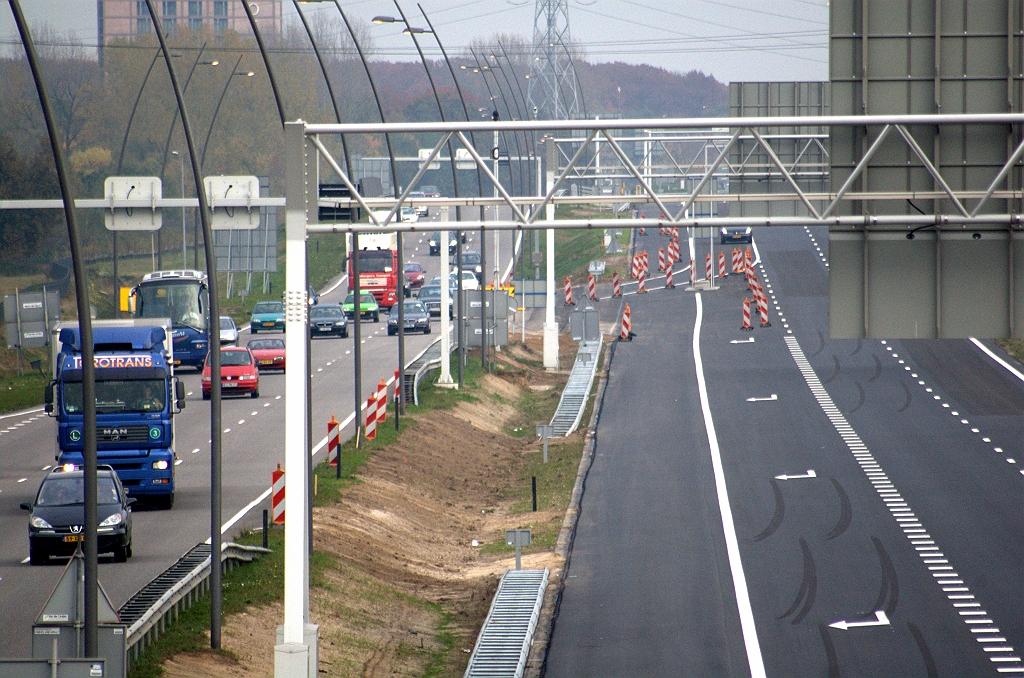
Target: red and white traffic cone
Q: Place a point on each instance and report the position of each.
(707, 266)
(668, 278)
(332, 441)
(746, 316)
(642, 287)
(591, 287)
(721, 265)
(762, 307)
(616, 289)
(661, 258)
(626, 333)
(568, 291)
(371, 417)
(277, 496)
(382, 402)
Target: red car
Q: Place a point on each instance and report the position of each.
(269, 353)
(414, 274)
(238, 373)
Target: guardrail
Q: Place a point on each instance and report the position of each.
(148, 612)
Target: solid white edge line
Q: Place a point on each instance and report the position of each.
(1010, 368)
(21, 413)
(336, 285)
(732, 546)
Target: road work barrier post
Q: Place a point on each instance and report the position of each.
(748, 259)
(693, 273)
(746, 316)
(634, 269)
(382, 402)
(371, 417)
(616, 288)
(646, 262)
(661, 258)
(568, 291)
(707, 266)
(626, 333)
(266, 526)
(591, 287)
(721, 265)
(737, 260)
(332, 441)
(277, 495)
(641, 288)
(762, 306)
(668, 279)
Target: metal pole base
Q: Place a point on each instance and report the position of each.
(551, 347)
(298, 660)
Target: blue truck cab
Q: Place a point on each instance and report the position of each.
(137, 396)
(182, 296)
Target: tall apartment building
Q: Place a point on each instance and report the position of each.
(130, 18)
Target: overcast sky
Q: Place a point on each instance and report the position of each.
(733, 40)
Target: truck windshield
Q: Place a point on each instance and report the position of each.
(137, 395)
(70, 490)
(184, 303)
(375, 261)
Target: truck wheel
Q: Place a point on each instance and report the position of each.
(120, 554)
(36, 555)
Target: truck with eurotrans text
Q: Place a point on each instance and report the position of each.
(379, 268)
(137, 397)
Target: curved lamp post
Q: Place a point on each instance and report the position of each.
(213, 121)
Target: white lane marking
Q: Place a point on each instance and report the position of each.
(880, 620)
(47, 467)
(189, 393)
(742, 341)
(253, 414)
(335, 285)
(277, 398)
(227, 430)
(893, 500)
(810, 474)
(177, 462)
(21, 413)
(241, 421)
(24, 562)
(1010, 368)
(268, 404)
(773, 396)
(195, 450)
(21, 480)
(754, 659)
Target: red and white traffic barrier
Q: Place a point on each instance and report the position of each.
(616, 288)
(746, 316)
(762, 306)
(333, 428)
(645, 262)
(748, 258)
(737, 260)
(277, 496)
(591, 287)
(674, 249)
(721, 265)
(661, 258)
(371, 417)
(626, 333)
(668, 278)
(382, 401)
(752, 282)
(634, 267)
(693, 273)
(707, 266)
(568, 291)
(642, 286)
(643, 231)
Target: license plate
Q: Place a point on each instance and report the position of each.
(270, 324)
(177, 362)
(229, 384)
(324, 329)
(266, 362)
(74, 537)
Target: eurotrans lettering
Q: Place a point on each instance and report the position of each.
(107, 362)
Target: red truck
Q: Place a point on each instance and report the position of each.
(379, 268)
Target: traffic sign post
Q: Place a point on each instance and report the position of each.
(519, 539)
(545, 431)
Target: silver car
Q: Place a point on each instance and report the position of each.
(228, 331)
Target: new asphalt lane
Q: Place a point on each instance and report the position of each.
(890, 547)
(253, 442)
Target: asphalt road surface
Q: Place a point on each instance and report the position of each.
(872, 495)
(253, 443)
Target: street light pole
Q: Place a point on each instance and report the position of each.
(184, 240)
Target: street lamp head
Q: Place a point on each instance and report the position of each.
(247, 74)
(210, 63)
(413, 30)
(383, 20)
(175, 153)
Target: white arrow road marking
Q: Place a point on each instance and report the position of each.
(810, 474)
(755, 400)
(25, 561)
(749, 340)
(881, 620)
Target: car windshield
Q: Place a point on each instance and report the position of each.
(235, 358)
(128, 395)
(326, 312)
(430, 292)
(185, 303)
(268, 307)
(363, 298)
(265, 344)
(470, 258)
(227, 323)
(413, 268)
(58, 490)
(413, 307)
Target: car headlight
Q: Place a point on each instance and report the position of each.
(41, 524)
(207, 379)
(161, 465)
(112, 520)
(247, 377)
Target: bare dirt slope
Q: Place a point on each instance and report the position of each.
(401, 590)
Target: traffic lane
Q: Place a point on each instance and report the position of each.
(820, 549)
(648, 591)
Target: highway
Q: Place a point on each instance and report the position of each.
(872, 492)
(252, 446)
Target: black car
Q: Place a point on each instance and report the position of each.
(328, 320)
(734, 234)
(56, 516)
(430, 297)
(471, 262)
(435, 243)
(416, 318)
